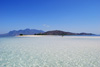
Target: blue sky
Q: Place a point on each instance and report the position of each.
(66, 15)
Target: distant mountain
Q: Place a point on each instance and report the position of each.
(25, 32)
(58, 32)
(40, 32)
(85, 34)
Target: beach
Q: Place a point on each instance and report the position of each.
(37, 35)
(66, 36)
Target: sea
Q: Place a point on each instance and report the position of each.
(50, 51)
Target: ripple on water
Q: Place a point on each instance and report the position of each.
(49, 52)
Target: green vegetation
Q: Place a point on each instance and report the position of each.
(21, 34)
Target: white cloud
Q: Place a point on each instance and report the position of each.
(45, 25)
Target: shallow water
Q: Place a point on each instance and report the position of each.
(50, 51)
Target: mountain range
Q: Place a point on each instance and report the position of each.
(59, 32)
(41, 32)
(25, 32)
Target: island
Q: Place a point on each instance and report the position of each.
(41, 32)
(59, 32)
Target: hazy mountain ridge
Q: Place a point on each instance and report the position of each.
(40, 32)
(25, 32)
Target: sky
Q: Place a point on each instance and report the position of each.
(67, 15)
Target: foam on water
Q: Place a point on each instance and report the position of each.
(53, 51)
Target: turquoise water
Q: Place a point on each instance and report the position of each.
(50, 51)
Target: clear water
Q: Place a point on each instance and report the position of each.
(50, 51)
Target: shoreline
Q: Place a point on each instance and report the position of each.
(58, 36)
(35, 35)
